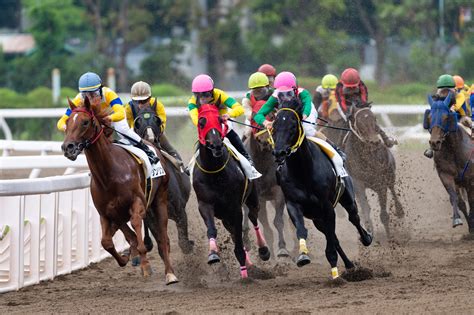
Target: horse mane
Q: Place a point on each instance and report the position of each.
(294, 104)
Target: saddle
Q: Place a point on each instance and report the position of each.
(151, 171)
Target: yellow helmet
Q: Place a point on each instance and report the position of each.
(258, 79)
(329, 81)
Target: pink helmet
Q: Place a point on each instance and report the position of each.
(202, 83)
(285, 79)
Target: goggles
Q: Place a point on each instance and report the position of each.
(286, 95)
(203, 94)
(91, 94)
(141, 102)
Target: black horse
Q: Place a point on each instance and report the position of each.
(309, 183)
(221, 188)
(148, 125)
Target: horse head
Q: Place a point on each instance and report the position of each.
(83, 128)
(147, 124)
(364, 124)
(211, 129)
(440, 121)
(287, 129)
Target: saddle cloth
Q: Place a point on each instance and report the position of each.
(332, 154)
(151, 171)
(244, 163)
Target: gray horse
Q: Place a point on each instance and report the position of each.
(369, 161)
(260, 149)
(453, 157)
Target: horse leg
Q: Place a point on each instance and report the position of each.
(279, 205)
(330, 229)
(349, 203)
(384, 216)
(131, 238)
(347, 262)
(253, 204)
(108, 231)
(359, 191)
(181, 221)
(234, 226)
(398, 205)
(245, 227)
(450, 186)
(470, 198)
(296, 215)
(207, 214)
(147, 240)
(163, 240)
(138, 212)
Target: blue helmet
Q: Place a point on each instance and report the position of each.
(89, 82)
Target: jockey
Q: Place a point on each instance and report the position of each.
(325, 95)
(269, 71)
(445, 85)
(90, 86)
(352, 91)
(259, 93)
(463, 88)
(141, 98)
(286, 88)
(203, 88)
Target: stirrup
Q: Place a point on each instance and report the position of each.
(428, 153)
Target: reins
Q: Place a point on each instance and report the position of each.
(218, 170)
(88, 142)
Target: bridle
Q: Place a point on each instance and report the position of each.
(354, 127)
(84, 144)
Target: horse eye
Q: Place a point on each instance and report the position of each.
(85, 123)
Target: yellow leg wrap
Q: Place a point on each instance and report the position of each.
(303, 248)
(334, 273)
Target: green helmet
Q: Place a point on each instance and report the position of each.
(329, 81)
(258, 79)
(445, 81)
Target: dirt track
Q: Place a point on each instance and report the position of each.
(428, 269)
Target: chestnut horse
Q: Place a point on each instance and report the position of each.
(118, 188)
(221, 189)
(453, 157)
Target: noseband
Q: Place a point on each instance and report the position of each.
(354, 127)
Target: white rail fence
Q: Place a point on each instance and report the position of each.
(48, 227)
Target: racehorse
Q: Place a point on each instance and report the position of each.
(221, 188)
(148, 126)
(370, 163)
(118, 188)
(309, 183)
(259, 147)
(453, 157)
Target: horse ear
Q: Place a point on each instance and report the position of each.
(154, 105)
(202, 122)
(87, 103)
(198, 101)
(218, 102)
(430, 100)
(72, 106)
(447, 100)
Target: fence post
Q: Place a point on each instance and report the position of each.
(111, 78)
(56, 84)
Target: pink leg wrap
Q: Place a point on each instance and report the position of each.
(260, 239)
(248, 262)
(212, 245)
(243, 272)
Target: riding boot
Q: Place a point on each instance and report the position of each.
(238, 144)
(428, 153)
(338, 150)
(151, 155)
(388, 141)
(166, 145)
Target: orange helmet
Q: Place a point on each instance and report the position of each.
(269, 70)
(350, 77)
(459, 81)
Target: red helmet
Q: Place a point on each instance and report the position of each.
(269, 70)
(350, 77)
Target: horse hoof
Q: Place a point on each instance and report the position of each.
(302, 260)
(147, 271)
(213, 258)
(171, 278)
(149, 246)
(283, 252)
(264, 253)
(367, 239)
(187, 247)
(136, 261)
(457, 222)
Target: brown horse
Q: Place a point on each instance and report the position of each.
(260, 148)
(453, 157)
(370, 163)
(118, 188)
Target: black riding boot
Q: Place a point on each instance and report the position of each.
(166, 145)
(151, 155)
(239, 145)
(338, 150)
(388, 141)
